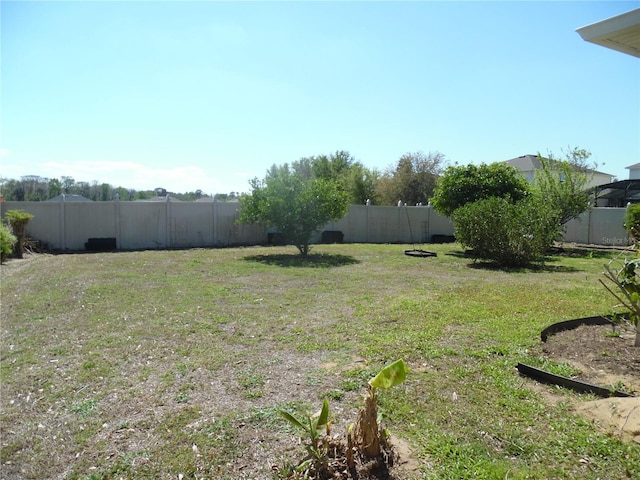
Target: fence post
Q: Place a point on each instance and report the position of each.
(215, 221)
(118, 240)
(63, 231)
(428, 233)
(367, 220)
(168, 221)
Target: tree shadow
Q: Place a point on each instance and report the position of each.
(544, 266)
(313, 260)
(582, 252)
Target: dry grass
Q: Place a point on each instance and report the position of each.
(158, 364)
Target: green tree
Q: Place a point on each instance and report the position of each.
(67, 184)
(356, 180)
(360, 184)
(466, 184)
(564, 182)
(7, 241)
(296, 206)
(55, 187)
(18, 220)
(511, 234)
(412, 180)
(632, 221)
(122, 193)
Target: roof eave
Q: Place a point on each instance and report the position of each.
(621, 33)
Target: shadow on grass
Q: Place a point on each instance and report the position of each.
(319, 260)
(577, 252)
(541, 267)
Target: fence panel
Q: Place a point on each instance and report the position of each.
(139, 225)
(143, 225)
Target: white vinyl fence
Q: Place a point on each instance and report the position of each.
(172, 224)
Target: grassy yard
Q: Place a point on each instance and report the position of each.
(172, 364)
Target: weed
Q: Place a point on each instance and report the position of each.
(335, 395)
(181, 397)
(252, 384)
(84, 408)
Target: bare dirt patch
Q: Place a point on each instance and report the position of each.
(604, 357)
(12, 266)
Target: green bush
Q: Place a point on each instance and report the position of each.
(632, 221)
(7, 240)
(18, 220)
(462, 184)
(511, 234)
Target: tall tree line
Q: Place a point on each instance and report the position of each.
(33, 188)
(411, 180)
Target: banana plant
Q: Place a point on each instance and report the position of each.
(390, 376)
(365, 435)
(312, 427)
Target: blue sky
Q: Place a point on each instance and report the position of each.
(207, 95)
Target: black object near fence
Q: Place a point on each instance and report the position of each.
(101, 244)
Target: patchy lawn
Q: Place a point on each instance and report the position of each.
(173, 364)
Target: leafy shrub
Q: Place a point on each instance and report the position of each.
(564, 183)
(7, 240)
(462, 184)
(296, 206)
(632, 221)
(18, 220)
(508, 233)
(625, 278)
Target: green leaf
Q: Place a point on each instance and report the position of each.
(324, 414)
(293, 420)
(390, 376)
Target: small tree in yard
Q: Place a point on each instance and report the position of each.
(510, 234)
(632, 221)
(7, 241)
(467, 184)
(564, 183)
(296, 206)
(18, 220)
(625, 288)
(495, 213)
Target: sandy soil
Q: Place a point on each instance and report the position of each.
(609, 361)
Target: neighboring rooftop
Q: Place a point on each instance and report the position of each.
(530, 163)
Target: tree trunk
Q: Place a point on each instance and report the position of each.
(366, 432)
(19, 248)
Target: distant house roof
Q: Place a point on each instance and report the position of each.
(633, 167)
(63, 197)
(530, 163)
(167, 198)
(525, 163)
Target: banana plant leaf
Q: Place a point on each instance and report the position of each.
(390, 376)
